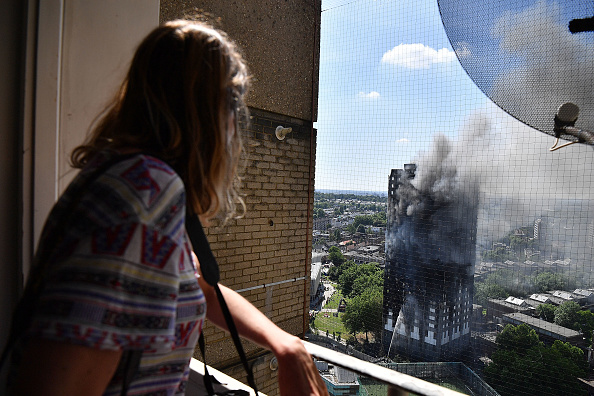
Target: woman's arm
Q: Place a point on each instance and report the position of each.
(62, 369)
(297, 374)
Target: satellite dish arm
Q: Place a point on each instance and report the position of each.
(565, 119)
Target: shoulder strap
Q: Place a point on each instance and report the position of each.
(210, 271)
(131, 360)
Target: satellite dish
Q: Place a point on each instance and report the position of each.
(533, 58)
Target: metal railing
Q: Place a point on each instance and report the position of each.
(398, 384)
(195, 385)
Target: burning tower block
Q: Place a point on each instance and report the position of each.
(429, 272)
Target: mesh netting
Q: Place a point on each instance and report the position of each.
(481, 252)
(522, 55)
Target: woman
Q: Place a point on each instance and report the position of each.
(120, 273)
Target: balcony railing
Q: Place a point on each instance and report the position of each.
(195, 386)
(398, 384)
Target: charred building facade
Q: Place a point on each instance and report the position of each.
(429, 271)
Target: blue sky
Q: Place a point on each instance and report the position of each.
(390, 82)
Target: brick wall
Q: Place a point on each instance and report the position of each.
(266, 255)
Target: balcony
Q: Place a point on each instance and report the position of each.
(195, 386)
(368, 377)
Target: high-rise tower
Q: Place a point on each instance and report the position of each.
(429, 272)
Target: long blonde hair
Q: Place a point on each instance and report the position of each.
(182, 101)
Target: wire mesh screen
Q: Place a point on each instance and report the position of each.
(444, 229)
(522, 54)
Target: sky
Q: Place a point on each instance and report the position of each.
(388, 76)
(391, 86)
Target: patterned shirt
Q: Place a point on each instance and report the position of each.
(123, 276)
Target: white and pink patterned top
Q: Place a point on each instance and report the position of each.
(124, 276)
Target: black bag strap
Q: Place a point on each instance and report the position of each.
(209, 380)
(210, 272)
(131, 360)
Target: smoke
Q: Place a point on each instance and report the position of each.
(506, 166)
(556, 68)
(520, 180)
(431, 240)
(509, 162)
(497, 174)
(552, 66)
(442, 199)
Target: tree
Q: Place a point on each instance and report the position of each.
(546, 312)
(336, 270)
(369, 281)
(362, 275)
(485, 290)
(586, 324)
(517, 338)
(339, 210)
(319, 213)
(523, 365)
(336, 235)
(364, 313)
(566, 314)
(545, 281)
(499, 254)
(573, 353)
(335, 255)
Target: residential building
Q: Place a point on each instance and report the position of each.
(429, 276)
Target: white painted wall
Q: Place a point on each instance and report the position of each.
(83, 52)
(60, 61)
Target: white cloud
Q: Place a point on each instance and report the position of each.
(417, 56)
(403, 140)
(370, 95)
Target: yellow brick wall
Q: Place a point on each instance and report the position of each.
(266, 255)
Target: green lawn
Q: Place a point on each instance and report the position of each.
(330, 323)
(327, 321)
(334, 300)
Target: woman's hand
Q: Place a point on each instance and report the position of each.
(297, 373)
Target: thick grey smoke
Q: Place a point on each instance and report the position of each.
(430, 250)
(519, 179)
(553, 66)
(443, 196)
(505, 163)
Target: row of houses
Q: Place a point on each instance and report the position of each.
(517, 311)
(527, 267)
(342, 221)
(547, 331)
(367, 254)
(497, 307)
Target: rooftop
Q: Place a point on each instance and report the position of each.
(542, 326)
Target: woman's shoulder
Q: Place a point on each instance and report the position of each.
(145, 174)
(139, 188)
